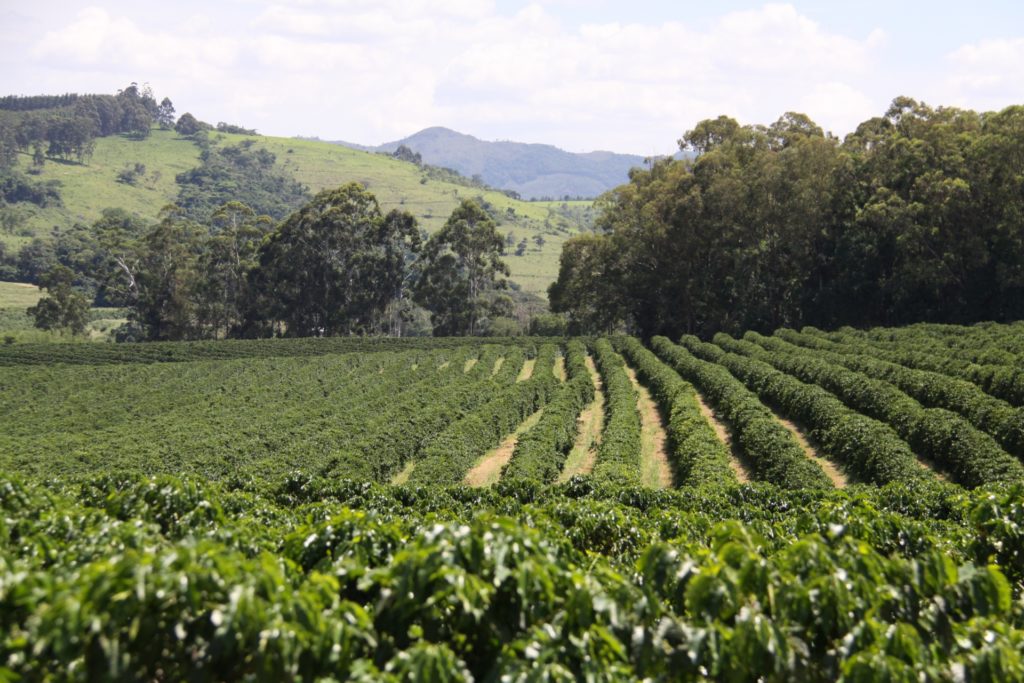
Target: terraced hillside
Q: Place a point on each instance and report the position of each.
(87, 189)
(800, 506)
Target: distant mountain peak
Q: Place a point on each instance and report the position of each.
(533, 170)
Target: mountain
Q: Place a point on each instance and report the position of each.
(532, 170)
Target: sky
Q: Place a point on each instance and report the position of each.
(580, 74)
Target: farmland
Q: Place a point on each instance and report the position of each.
(839, 505)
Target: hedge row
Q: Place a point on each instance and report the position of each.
(698, 456)
(384, 452)
(618, 455)
(995, 417)
(945, 438)
(1001, 381)
(869, 450)
(770, 449)
(452, 452)
(223, 349)
(982, 343)
(540, 453)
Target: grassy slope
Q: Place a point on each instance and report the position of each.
(87, 189)
(18, 295)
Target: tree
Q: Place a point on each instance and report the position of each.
(8, 144)
(137, 110)
(63, 308)
(333, 267)
(586, 289)
(228, 256)
(165, 114)
(461, 270)
(165, 306)
(38, 158)
(117, 256)
(405, 154)
(243, 173)
(547, 325)
(188, 125)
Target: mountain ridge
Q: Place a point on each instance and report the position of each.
(533, 170)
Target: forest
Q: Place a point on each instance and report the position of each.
(918, 215)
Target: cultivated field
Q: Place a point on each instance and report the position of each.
(800, 506)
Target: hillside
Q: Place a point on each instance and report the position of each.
(86, 189)
(532, 170)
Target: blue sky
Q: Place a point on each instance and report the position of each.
(595, 74)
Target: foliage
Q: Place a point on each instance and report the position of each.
(540, 453)
(1002, 421)
(916, 216)
(588, 289)
(698, 457)
(63, 308)
(998, 380)
(240, 173)
(85, 194)
(866, 448)
(451, 453)
(618, 454)
(15, 187)
(770, 448)
(941, 436)
(335, 266)
(187, 124)
(461, 268)
(141, 578)
(426, 411)
(209, 511)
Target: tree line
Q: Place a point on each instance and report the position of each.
(918, 215)
(336, 266)
(66, 126)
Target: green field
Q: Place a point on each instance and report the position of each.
(87, 189)
(18, 295)
(859, 516)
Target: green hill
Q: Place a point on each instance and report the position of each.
(87, 189)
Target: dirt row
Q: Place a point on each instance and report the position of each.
(656, 460)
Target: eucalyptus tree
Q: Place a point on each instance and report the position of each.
(460, 271)
(333, 267)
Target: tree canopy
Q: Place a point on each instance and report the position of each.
(916, 216)
(334, 266)
(63, 308)
(460, 272)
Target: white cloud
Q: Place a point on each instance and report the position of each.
(842, 105)
(369, 70)
(988, 74)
